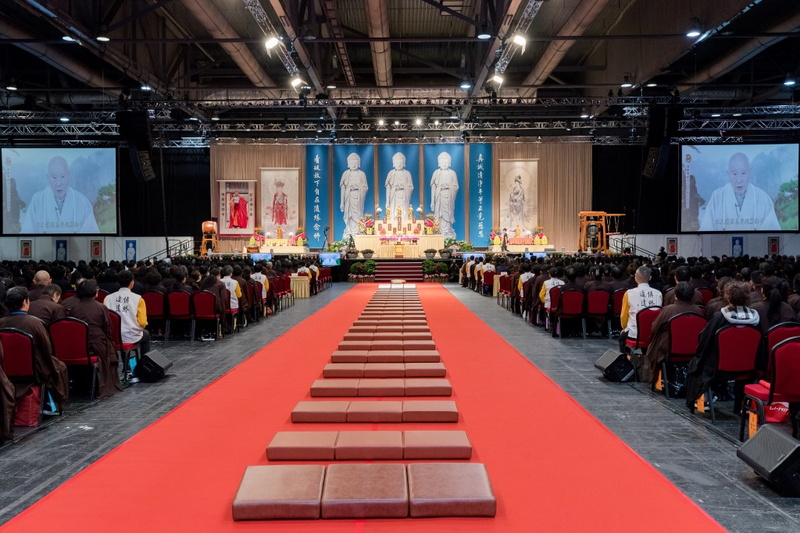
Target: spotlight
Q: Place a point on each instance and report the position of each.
(381, 122)
(271, 43)
(418, 122)
(296, 81)
(519, 40)
(497, 78)
(695, 28)
(396, 122)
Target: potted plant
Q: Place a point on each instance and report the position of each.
(351, 252)
(444, 253)
(430, 253)
(367, 253)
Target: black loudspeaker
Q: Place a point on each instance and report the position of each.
(134, 127)
(658, 134)
(152, 366)
(615, 366)
(775, 456)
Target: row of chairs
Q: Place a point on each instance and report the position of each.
(738, 347)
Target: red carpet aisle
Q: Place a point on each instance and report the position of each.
(181, 473)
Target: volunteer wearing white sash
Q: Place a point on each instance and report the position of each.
(59, 208)
(739, 205)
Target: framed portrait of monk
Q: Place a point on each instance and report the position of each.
(25, 248)
(237, 209)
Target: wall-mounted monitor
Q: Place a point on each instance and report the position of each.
(736, 188)
(64, 191)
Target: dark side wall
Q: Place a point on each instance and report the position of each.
(650, 205)
(187, 190)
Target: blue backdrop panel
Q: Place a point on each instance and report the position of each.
(385, 154)
(430, 162)
(317, 180)
(340, 154)
(480, 193)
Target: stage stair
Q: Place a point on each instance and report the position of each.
(386, 271)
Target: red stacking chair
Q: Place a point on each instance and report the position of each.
(783, 384)
(707, 294)
(124, 349)
(18, 361)
(597, 307)
(644, 329)
(505, 290)
(204, 304)
(616, 307)
(230, 312)
(570, 307)
(70, 338)
(780, 332)
(287, 287)
(258, 298)
(555, 293)
(101, 296)
(179, 304)
(68, 294)
(737, 351)
(684, 336)
(156, 305)
(488, 282)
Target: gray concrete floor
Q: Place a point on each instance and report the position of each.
(700, 459)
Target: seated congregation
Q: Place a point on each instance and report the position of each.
(710, 329)
(82, 328)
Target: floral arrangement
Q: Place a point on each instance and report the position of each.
(256, 239)
(337, 246)
(367, 251)
(298, 238)
(446, 251)
(430, 251)
(362, 272)
(429, 222)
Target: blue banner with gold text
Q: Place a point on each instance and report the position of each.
(317, 181)
(480, 193)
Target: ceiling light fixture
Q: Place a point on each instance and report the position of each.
(497, 78)
(695, 28)
(331, 86)
(652, 85)
(271, 43)
(68, 39)
(381, 122)
(466, 85)
(418, 122)
(789, 82)
(103, 38)
(483, 33)
(584, 113)
(626, 81)
(520, 41)
(11, 87)
(296, 82)
(146, 88)
(64, 119)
